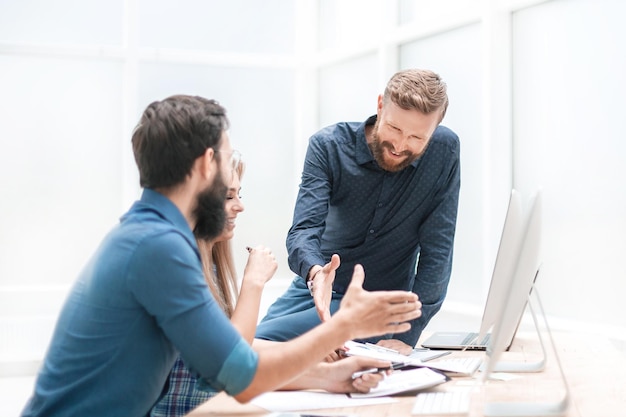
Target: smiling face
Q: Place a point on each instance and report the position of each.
(232, 206)
(400, 136)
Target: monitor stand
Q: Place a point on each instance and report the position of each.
(516, 366)
(532, 409)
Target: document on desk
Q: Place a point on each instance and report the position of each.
(402, 381)
(417, 358)
(374, 351)
(311, 400)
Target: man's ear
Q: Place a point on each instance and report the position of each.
(379, 104)
(206, 164)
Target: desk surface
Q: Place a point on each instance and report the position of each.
(595, 371)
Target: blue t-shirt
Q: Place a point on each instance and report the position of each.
(139, 301)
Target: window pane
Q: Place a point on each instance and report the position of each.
(259, 104)
(464, 116)
(62, 21)
(348, 91)
(60, 168)
(569, 99)
(349, 22)
(230, 26)
(416, 11)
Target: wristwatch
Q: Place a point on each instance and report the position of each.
(309, 282)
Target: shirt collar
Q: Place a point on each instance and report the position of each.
(167, 210)
(363, 153)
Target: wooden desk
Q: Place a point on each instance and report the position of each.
(594, 368)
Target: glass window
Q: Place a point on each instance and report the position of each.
(60, 167)
(93, 22)
(219, 26)
(569, 99)
(345, 23)
(423, 11)
(460, 67)
(259, 104)
(348, 91)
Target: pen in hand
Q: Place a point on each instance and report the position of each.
(395, 365)
(249, 249)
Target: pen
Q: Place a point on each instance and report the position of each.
(249, 249)
(395, 365)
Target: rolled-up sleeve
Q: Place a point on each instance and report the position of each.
(172, 289)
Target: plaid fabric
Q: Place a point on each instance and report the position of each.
(181, 393)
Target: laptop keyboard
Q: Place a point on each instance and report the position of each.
(451, 403)
(470, 339)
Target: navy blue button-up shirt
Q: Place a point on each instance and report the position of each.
(399, 225)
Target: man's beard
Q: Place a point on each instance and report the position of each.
(377, 147)
(209, 211)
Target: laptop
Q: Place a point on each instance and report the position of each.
(504, 268)
(460, 340)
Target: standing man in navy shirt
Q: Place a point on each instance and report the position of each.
(384, 194)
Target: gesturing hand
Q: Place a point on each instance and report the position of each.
(377, 312)
(322, 287)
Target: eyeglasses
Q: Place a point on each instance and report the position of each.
(235, 159)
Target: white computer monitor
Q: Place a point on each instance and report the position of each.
(504, 266)
(512, 308)
(514, 298)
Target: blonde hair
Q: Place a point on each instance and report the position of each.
(418, 89)
(219, 268)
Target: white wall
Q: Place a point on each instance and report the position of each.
(536, 88)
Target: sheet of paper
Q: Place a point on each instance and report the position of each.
(426, 355)
(401, 381)
(311, 400)
(373, 351)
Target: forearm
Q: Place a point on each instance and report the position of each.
(304, 251)
(287, 364)
(246, 313)
(362, 314)
(315, 377)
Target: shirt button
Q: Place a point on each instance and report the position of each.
(371, 231)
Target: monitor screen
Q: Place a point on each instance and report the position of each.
(515, 296)
(506, 261)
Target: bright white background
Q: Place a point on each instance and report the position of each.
(536, 91)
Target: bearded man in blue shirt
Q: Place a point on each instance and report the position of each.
(142, 300)
(384, 194)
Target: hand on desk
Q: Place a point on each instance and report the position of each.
(337, 376)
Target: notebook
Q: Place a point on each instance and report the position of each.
(403, 381)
